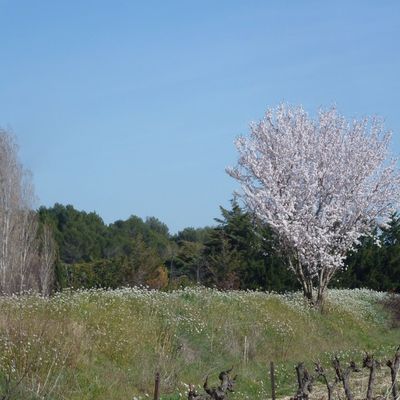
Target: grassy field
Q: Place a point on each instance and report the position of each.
(101, 344)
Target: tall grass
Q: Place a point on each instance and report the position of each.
(98, 344)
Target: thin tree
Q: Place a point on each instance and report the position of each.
(10, 173)
(47, 260)
(321, 184)
(20, 262)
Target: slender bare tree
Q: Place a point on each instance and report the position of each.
(47, 260)
(25, 251)
(10, 199)
(20, 261)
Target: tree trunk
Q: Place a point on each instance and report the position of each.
(370, 363)
(319, 302)
(330, 386)
(394, 366)
(305, 383)
(344, 376)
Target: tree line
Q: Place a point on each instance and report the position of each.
(314, 192)
(238, 252)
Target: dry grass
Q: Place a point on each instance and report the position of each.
(107, 344)
(392, 304)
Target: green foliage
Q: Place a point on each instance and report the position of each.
(80, 235)
(120, 234)
(99, 273)
(190, 234)
(188, 260)
(92, 254)
(140, 267)
(375, 264)
(243, 253)
(237, 253)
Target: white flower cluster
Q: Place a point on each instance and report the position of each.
(320, 184)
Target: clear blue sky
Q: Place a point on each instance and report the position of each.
(125, 107)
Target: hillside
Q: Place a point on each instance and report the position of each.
(99, 344)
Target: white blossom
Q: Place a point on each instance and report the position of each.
(321, 184)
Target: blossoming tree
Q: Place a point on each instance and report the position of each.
(320, 183)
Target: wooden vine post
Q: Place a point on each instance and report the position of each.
(157, 387)
(272, 372)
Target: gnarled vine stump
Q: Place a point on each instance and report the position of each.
(215, 393)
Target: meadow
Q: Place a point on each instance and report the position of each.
(107, 344)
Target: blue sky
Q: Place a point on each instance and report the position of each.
(126, 107)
